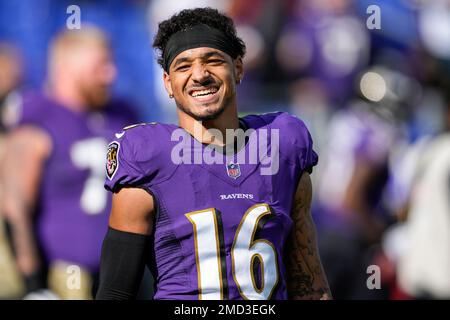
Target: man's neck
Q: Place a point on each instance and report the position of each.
(211, 131)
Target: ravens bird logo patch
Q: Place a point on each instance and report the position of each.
(112, 161)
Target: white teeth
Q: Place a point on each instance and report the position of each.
(203, 92)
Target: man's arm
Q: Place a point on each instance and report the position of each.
(305, 276)
(126, 246)
(26, 150)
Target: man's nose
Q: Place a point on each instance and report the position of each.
(200, 72)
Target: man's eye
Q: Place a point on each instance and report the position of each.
(182, 67)
(215, 61)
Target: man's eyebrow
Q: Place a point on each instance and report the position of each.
(212, 54)
(181, 60)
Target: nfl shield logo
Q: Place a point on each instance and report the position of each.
(233, 170)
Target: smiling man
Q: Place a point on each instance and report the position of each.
(210, 230)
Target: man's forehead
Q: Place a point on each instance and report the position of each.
(200, 52)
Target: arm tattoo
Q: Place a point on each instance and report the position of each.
(306, 278)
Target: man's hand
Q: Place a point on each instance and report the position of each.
(305, 276)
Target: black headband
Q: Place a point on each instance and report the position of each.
(198, 36)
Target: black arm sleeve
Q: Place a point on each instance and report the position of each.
(123, 259)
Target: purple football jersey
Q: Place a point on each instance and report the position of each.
(73, 207)
(220, 227)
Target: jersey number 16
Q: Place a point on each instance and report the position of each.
(244, 253)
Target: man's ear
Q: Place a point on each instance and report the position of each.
(238, 69)
(167, 84)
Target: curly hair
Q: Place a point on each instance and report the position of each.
(191, 17)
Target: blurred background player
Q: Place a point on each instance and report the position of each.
(53, 172)
(10, 81)
(350, 209)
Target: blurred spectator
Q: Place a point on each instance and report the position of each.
(350, 212)
(418, 246)
(52, 174)
(424, 266)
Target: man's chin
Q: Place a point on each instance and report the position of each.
(96, 98)
(204, 115)
(98, 102)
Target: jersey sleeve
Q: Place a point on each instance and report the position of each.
(300, 144)
(122, 167)
(138, 158)
(308, 158)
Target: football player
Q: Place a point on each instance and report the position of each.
(11, 70)
(52, 173)
(220, 228)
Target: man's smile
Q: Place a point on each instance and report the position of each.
(205, 94)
